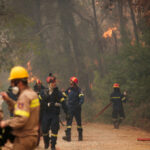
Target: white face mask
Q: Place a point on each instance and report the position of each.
(15, 90)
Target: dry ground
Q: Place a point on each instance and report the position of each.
(103, 137)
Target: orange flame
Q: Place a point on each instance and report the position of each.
(133, 42)
(29, 65)
(91, 85)
(108, 33)
(96, 2)
(32, 78)
(96, 62)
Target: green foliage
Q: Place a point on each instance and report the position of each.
(131, 69)
(62, 40)
(16, 40)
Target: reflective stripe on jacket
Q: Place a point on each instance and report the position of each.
(26, 114)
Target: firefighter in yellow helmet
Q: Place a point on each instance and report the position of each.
(26, 111)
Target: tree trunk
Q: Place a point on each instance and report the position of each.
(44, 59)
(116, 43)
(134, 22)
(98, 42)
(121, 19)
(72, 43)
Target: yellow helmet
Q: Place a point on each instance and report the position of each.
(18, 72)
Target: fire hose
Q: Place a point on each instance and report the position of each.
(96, 116)
(143, 139)
(99, 113)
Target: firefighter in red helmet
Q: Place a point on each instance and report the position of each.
(75, 100)
(38, 87)
(51, 102)
(117, 100)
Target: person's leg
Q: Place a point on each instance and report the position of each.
(114, 118)
(69, 125)
(54, 131)
(121, 116)
(46, 122)
(79, 124)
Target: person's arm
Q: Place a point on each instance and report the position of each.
(21, 113)
(81, 98)
(111, 98)
(124, 97)
(11, 103)
(62, 100)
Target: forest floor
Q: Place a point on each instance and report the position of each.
(103, 137)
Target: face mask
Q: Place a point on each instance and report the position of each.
(15, 90)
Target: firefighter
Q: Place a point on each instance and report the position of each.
(13, 94)
(26, 110)
(75, 100)
(39, 89)
(117, 100)
(51, 102)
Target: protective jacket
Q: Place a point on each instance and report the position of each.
(75, 97)
(50, 102)
(26, 114)
(38, 88)
(117, 99)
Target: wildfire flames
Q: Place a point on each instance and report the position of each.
(108, 33)
(96, 2)
(32, 78)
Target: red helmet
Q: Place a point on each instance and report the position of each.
(116, 85)
(51, 79)
(38, 81)
(74, 79)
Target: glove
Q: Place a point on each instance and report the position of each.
(57, 104)
(48, 104)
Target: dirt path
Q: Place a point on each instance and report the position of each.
(103, 137)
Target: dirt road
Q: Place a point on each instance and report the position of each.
(103, 137)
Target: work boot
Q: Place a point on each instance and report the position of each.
(68, 136)
(53, 148)
(53, 142)
(115, 124)
(46, 146)
(80, 137)
(119, 122)
(46, 142)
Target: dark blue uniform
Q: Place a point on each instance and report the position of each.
(75, 100)
(39, 89)
(118, 112)
(50, 115)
